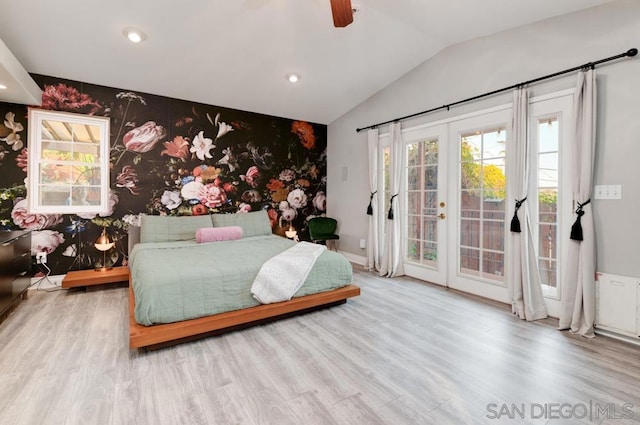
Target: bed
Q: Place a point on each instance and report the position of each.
(180, 289)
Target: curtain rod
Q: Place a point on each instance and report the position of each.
(628, 53)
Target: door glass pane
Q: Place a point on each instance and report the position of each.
(414, 202)
(422, 190)
(414, 228)
(413, 250)
(482, 194)
(470, 233)
(548, 131)
(470, 261)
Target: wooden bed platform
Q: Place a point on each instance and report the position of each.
(158, 336)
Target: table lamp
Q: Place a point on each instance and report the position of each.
(104, 244)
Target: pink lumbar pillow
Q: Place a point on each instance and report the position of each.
(217, 234)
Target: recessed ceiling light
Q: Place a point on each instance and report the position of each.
(3, 87)
(293, 77)
(134, 35)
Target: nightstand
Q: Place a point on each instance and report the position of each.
(77, 278)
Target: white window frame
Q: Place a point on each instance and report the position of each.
(35, 144)
(558, 104)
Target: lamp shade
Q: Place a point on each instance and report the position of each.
(103, 243)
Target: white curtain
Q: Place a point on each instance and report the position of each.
(392, 254)
(373, 255)
(523, 277)
(577, 307)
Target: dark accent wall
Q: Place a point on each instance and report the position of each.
(169, 157)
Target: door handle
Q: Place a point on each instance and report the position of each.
(442, 216)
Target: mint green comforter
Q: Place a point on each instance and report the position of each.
(175, 281)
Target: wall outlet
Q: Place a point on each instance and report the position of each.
(41, 257)
(363, 243)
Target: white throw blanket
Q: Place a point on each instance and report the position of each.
(281, 276)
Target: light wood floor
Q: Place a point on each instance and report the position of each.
(402, 353)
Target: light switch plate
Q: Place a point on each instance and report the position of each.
(611, 191)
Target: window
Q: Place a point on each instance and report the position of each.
(547, 190)
(68, 162)
(482, 203)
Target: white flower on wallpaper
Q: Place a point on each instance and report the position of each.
(45, 240)
(171, 199)
(202, 146)
(191, 190)
(13, 139)
(223, 128)
(297, 198)
(131, 219)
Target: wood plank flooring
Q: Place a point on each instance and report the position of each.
(404, 352)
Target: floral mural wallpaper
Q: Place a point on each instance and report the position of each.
(168, 157)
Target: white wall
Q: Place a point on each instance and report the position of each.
(500, 60)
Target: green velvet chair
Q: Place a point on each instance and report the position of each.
(323, 229)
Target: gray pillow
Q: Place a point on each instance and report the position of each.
(159, 228)
(253, 223)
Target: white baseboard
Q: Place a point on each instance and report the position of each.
(54, 281)
(354, 258)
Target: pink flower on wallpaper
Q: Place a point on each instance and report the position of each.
(64, 98)
(128, 178)
(177, 148)
(212, 196)
(289, 214)
(252, 176)
(243, 208)
(45, 240)
(144, 138)
(30, 221)
(320, 201)
(287, 175)
(22, 160)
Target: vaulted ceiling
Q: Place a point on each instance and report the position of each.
(236, 53)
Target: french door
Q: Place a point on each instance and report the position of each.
(455, 203)
(478, 198)
(426, 204)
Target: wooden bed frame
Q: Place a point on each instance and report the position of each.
(158, 336)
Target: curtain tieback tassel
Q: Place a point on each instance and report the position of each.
(390, 214)
(576, 229)
(370, 207)
(515, 221)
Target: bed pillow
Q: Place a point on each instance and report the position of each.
(159, 228)
(217, 234)
(253, 223)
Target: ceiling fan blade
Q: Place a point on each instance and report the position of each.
(342, 12)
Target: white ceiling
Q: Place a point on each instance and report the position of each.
(235, 53)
